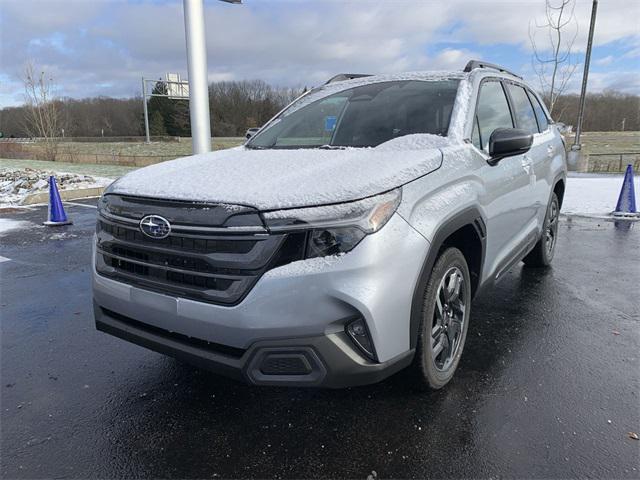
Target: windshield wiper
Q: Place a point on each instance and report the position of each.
(332, 147)
(256, 147)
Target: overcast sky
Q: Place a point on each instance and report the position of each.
(103, 47)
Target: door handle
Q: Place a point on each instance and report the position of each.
(550, 150)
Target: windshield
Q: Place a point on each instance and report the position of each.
(363, 116)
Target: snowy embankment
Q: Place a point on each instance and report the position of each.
(592, 195)
(17, 184)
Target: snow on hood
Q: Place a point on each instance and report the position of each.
(274, 179)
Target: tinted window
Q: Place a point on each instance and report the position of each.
(363, 116)
(493, 111)
(543, 122)
(525, 118)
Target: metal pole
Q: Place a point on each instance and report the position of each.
(585, 75)
(146, 112)
(198, 84)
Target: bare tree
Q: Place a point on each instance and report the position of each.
(42, 117)
(553, 62)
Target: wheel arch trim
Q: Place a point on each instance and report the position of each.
(469, 217)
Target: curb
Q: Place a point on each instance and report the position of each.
(64, 194)
(603, 217)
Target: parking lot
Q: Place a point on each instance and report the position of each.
(548, 385)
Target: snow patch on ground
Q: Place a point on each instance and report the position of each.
(63, 236)
(17, 184)
(7, 224)
(593, 195)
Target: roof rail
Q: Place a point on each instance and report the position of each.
(341, 77)
(473, 64)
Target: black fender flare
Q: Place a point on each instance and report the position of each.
(561, 177)
(470, 216)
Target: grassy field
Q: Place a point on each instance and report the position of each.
(609, 142)
(177, 149)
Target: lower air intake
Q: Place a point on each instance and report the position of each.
(285, 364)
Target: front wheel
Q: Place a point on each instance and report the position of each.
(543, 252)
(445, 320)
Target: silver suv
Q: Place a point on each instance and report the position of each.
(342, 242)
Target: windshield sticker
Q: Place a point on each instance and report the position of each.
(330, 123)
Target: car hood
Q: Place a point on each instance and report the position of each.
(274, 179)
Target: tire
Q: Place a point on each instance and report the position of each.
(543, 252)
(443, 313)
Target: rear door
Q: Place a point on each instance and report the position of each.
(538, 159)
(554, 149)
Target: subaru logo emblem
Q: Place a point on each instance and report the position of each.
(155, 226)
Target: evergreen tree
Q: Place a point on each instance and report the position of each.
(156, 124)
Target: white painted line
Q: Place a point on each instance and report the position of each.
(4, 259)
(80, 204)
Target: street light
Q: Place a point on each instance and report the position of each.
(585, 76)
(198, 81)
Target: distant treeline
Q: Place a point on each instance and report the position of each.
(238, 105)
(609, 111)
(235, 106)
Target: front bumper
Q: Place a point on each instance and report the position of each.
(322, 361)
(301, 307)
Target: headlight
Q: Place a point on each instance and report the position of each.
(335, 229)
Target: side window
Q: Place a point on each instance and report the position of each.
(525, 118)
(493, 111)
(543, 121)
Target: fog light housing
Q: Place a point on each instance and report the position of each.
(359, 334)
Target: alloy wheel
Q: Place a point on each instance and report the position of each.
(448, 319)
(551, 232)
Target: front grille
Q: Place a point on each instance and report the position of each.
(213, 262)
(181, 243)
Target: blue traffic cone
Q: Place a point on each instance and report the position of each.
(626, 206)
(56, 213)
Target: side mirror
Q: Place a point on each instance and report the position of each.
(507, 142)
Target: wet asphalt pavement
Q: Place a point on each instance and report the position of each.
(548, 385)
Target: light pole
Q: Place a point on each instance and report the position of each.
(146, 112)
(197, 67)
(585, 76)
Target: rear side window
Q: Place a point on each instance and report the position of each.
(525, 117)
(543, 121)
(493, 112)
